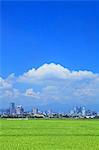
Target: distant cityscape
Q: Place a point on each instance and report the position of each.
(19, 112)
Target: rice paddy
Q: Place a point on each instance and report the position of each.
(49, 134)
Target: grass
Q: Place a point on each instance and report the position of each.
(49, 134)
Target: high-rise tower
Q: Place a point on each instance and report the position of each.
(12, 109)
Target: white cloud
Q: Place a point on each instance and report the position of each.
(53, 71)
(30, 93)
(7, 89)
(4, 84)
(9, 93)
(52, 82)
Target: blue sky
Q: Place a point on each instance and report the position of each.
(36, 33)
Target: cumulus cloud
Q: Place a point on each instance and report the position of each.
(4, 84)
(9, 93)
(30, 93)
(52, 83)
(7, 89)
(53, 71)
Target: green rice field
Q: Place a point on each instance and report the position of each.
(49, 134)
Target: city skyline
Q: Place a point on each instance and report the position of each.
(49, 54)
(18, 110)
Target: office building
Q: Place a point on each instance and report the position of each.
(19, 110)
(35, 111)
(12, 109)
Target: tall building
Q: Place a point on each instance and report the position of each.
(19, 110)
(72, 112)
(76, 109)
(49, 112)
(83, 111)
(12, 109)
(35, 111)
